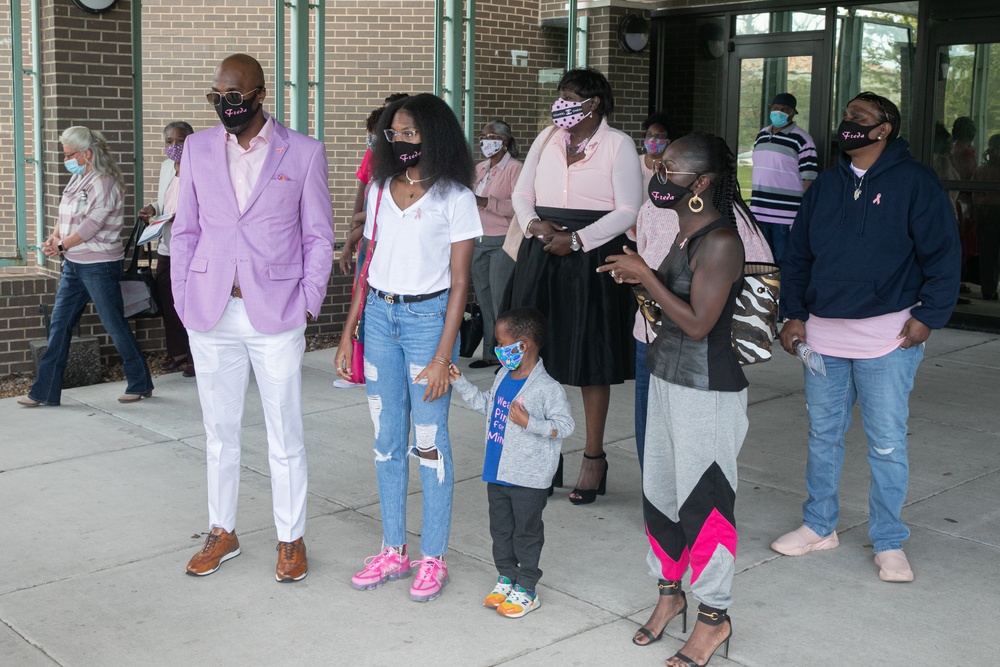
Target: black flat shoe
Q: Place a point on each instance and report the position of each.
(483, 363)
(171, 364)
(667, 588)
(587, 496)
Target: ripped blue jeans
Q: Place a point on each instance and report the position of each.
(400, 339)
(882, 386)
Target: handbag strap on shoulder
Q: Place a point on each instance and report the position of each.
(362, 282)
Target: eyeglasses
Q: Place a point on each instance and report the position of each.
(657, 135)
(233, 97)
(662, 173)
(405, 135)
(72, 156)
(490, 137)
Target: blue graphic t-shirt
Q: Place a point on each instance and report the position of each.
(498, 425)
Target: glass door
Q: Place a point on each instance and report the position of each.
(963, 147)
(758, 72)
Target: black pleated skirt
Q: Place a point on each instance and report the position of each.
(590, 315)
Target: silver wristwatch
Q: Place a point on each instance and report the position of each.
(574, 242)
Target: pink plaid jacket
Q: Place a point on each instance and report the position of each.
(282, 242)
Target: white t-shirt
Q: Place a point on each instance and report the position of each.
(413, 249)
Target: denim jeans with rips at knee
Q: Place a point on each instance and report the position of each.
(400, 339)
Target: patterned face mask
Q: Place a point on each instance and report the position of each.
(511, 355)
(566, 114)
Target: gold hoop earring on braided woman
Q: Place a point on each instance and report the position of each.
(696, 203)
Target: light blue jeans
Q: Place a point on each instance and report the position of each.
(882, 385)
(400, 340)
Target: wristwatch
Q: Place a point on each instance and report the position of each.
(574, 242)
(61, 248)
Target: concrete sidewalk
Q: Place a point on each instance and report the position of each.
(103, 504)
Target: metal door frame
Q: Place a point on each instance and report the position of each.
(786, 45)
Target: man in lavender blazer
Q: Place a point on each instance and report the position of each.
(251, 253)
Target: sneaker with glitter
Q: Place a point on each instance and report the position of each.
(389, 565)
(431, 579)
(499, 594)
(518, 603)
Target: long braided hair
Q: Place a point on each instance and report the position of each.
(710, 154)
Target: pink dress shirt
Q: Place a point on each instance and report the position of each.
(245, 165)
(608, 178)
(498, 189)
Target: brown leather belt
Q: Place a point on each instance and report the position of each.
(236, 292)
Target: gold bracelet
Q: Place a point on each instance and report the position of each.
(441, 360)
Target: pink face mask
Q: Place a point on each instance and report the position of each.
(566, 114)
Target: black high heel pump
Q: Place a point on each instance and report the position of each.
(667, 588)
(557, 479)
(713, 617)
(587, 496)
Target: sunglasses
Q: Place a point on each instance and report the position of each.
(233, 97)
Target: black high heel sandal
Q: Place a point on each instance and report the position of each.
(667, 588)
(715, 618)
(557, 479)
(588, 496)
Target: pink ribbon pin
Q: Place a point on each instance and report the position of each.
(279, 150)
(878, 199)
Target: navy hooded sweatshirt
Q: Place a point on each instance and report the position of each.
(895, 245)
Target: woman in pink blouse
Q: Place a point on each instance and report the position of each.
(579, 192)
(491, 266)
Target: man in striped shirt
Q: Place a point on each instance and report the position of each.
(784, 166)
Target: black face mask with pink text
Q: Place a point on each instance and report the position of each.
(407, 155)
(237, 117)
(851, 135)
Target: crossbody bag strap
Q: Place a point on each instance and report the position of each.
(363, 274)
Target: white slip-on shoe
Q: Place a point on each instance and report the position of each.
(893, 566)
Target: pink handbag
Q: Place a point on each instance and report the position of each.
(357, 347)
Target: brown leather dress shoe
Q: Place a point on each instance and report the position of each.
(189, 370)
(292, 565)
(219, 547)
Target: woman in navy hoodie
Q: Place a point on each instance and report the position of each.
(871, 267)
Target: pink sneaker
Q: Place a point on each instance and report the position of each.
(431, 579)
(389, 565)
(803, 540)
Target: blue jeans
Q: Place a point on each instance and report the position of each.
(80, 284)
(776, 236)
(400, 340)
(641, 397)
(882, 386)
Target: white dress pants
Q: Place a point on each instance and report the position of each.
(223, 357)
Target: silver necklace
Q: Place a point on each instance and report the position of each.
(857, 186)
(414, 181)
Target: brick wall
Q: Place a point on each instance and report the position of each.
(373, 48)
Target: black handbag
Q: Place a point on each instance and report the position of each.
(137, 283)
(471, 330)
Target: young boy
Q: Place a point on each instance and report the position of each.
(528, 417)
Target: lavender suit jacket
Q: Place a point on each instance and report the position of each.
(282, 242)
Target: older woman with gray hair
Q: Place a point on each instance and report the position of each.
(491, 266)
(178, 350)
(88, 239)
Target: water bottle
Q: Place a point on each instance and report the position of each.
(811, 359)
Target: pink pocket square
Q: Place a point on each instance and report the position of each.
(281, 177)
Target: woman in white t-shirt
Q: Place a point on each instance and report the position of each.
(422, 219)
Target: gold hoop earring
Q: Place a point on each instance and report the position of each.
(696, 203)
